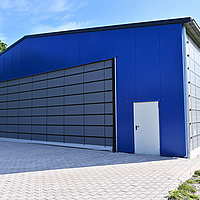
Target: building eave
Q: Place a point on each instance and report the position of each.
(184, 20)
(193, 30)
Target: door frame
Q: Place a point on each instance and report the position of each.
(159, 112)
(114, 90)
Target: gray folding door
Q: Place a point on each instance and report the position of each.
(73, 105)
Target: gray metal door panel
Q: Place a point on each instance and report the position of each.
(73, 105)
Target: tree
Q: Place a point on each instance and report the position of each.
(3, 46)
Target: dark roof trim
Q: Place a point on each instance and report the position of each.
(193, 29)
(105, 28)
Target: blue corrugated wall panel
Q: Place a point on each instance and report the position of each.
(149, 67)
(105, 44)
(25, 53)
(59, 57)
(126, 87)
(1, 67)
(9, 71)
(15, 60)
(147, 63)
(88, 47)
(72, 50)
(45, 54)
(35, 59)
(172, 104)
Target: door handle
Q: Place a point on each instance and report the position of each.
(136, 127)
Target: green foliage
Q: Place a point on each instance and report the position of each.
(186, 187)
(184, 191)
(175, 194)
(194, 196)
(197, 180)
(197, 172)
(190, 181)
(3, 46)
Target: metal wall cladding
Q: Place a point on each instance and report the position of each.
(172, 93)
(52, 107)
(148, 67)
(193, 80)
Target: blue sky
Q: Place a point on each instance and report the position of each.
(22, 17)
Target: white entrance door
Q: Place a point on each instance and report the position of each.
(146, 128)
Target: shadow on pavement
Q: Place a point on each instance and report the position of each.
(22, 157)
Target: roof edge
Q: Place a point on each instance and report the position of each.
(105, 28)
(193, 29)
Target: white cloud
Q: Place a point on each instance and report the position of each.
(3, 37)
(67, 26)
(5, 4)
(17, 5)
(58, 15)
(60, 6)
(48, 11)
(36, 16)
(49, 7)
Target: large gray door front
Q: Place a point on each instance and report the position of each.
(73, 105)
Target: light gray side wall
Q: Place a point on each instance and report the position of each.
(74, 105)
(193, 82)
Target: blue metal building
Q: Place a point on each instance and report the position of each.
(130, 88)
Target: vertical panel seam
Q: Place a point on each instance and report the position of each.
(64, 97)
(114, 105)
(47, 82)
(32, 111)
(195, 95)
(18, 111)
(79, 44)
(7, 111)
(160, 110)
(83, 105)
(135, 37)
(64, 109)
(104, 106)
(136, 96)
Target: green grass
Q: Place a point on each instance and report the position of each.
(197, 172)
(194, 196)
(190, 181)
(184, 191)
(186, 187)
(175, 194)
(197, 181)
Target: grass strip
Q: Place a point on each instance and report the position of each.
(186, 190)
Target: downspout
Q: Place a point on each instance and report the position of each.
(186, 103)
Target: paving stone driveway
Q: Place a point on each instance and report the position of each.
(32, 171)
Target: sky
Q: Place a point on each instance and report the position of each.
(25, 17)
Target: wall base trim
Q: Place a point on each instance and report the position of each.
(195, 152)
(82, 146)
